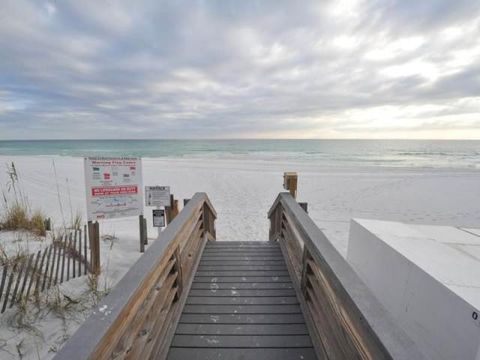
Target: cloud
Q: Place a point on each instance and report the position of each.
(150, 69)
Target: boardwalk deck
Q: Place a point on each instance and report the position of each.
(194, 298)
(242, 305)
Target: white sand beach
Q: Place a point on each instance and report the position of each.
(241, 191)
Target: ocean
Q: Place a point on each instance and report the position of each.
(390, 153)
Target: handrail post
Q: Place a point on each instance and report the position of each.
(209, 221)
(290, 180)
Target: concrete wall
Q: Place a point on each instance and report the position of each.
(389, 257)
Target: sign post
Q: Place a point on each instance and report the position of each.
(158, 218)
(113, 189)
(158, 196)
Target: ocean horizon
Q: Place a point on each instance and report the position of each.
(463, 154)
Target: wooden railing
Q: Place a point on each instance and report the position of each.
(344, 318)
(138, 318)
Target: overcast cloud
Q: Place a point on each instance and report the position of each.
(210, 69)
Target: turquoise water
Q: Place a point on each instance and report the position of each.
(398, 153)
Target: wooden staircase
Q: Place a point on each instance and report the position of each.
(192, 297)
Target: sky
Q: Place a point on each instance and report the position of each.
(239, 69)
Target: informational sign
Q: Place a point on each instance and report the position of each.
(114, 187)
(158, 217)
(157, 196)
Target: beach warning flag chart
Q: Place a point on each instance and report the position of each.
(113, 187)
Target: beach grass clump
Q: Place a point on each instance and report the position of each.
(37, 223)
(17, 217)
(17, 214)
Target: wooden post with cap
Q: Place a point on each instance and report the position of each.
(290, 180)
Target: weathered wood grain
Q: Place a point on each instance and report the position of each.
(17, 282)
(9, 286)
(33, 274)
(341, 311)
(145, 306)
(260, 312)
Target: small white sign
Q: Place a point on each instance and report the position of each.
(113, 187)
(157, 196)
(158, 218)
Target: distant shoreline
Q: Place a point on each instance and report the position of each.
(455, 154)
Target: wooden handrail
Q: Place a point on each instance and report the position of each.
(345, 319)
(139, 316)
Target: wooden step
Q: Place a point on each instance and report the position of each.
(242, 305)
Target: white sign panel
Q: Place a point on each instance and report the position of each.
(157, 195)
(114, 187)
(158, 218)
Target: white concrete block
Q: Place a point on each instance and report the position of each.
(428, 278)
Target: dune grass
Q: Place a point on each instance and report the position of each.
(16, 211)
(17, 217)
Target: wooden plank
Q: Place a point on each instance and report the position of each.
(85, 253)
(79, 252)
(241, 245)
(226, 268)
(25, 277)
(243, 258)
(223, 300)
(242, 286)
(161, 325)
(158, 343)
(241, 262)
(155, 307)
(246, 329)
(236, 242)
(241, 309)
(339, 331)
(9, 285)
(219, 341)
(45, 274)
(59, 256)
(268, 252)
(38, 275)
(310, 321)
(253, 251)
(64, 251)
(69, 254)
(215, 292)
(145, 233)
(73, 254)
(252, 245)
(241, 279)
(222, 249)
(50, 277)
(251, 273)
(243, 319)
(4, 276)
(244, 354)
(142, 233)
(17, 282)
(33, 274)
